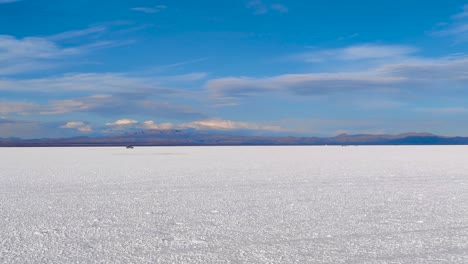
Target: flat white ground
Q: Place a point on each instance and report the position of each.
(234, 205)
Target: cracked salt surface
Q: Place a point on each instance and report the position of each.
(234, 205)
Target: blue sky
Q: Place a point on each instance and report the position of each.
(260, 67)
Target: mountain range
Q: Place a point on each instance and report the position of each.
(200, 138)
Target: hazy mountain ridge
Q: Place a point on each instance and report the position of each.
(196, 138)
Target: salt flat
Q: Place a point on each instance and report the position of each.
(376, 204)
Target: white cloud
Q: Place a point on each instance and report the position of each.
(36, 53)
(31, 48)
(150, 10)
(218, 124)
(358, 52)
(260, 8)
(22, 55)
(82, 104)
(162, 126)
(206, 124)
(122, 124)
(370, 51)
(78, 125)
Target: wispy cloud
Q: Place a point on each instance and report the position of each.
(188, 77)
(55, 107)
(21, 108)
(78, 125)
(75, 105)
(9, 1)
(78, 33)
(121, 104)
(205, 124)
(357, 52)
(463, 14)
(114, 105)
(32, 48)
(100, 82)
(279, 7)
(150, 10)
(118, 104)
(301, 84)
(175, 65)
(219, 124)
(260, 8)
(42, 53)
(456, 28)
(354, 35)
(28, 54)
(406, 74)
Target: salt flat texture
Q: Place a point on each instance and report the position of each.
(393, 204)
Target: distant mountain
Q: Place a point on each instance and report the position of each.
(199, 138)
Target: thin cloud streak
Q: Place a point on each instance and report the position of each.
(463, 14)
(174, 65)
(78, 33)
(100, 82)
(301, 84)
(30, 54)
(20, 108)
(105, 105)
(367, 51)
(114, 105)
(457, 28)
(205, 124)
(408, 73)
(9, 1)
(150, 10)
(260, 8)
